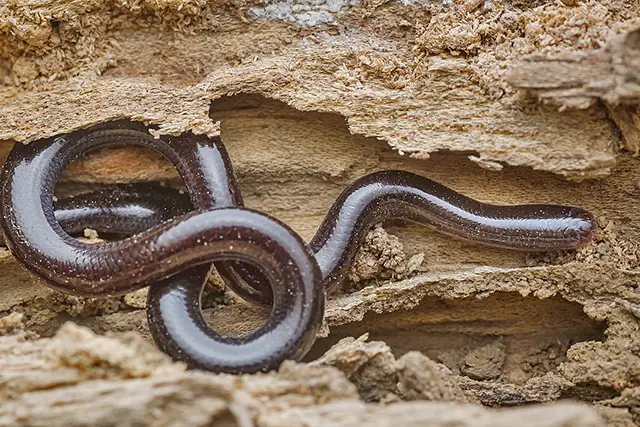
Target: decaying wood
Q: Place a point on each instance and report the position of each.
(577, 80)
(80, 379)
(398, 86)
(506, 101)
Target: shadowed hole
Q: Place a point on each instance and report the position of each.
(502, 337)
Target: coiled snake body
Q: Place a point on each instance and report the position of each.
(174, 239)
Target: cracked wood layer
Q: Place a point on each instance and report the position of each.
(577, 80)
(448, 83)
(80, 379)
(417, 101)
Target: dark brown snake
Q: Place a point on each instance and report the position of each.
(173, 239)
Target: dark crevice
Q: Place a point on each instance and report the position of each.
(503, 337)
(589, 393)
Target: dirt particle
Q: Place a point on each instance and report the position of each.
(382, 256)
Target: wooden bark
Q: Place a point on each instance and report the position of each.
(505, 101)
(80, 379)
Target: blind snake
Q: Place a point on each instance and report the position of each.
(174, 238)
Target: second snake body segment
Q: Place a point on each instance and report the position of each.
(174, 239)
